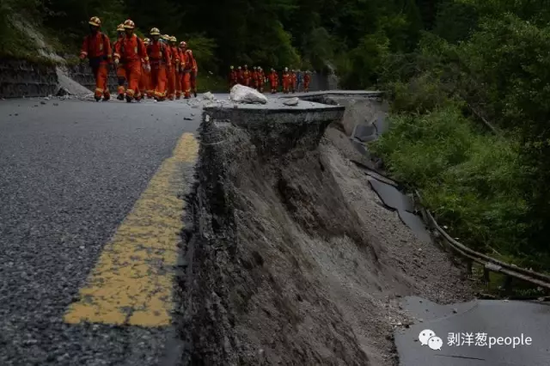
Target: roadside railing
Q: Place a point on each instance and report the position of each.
(471, 256)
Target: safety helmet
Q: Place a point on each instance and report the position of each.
(146, 41)
(129, 24)
(95, 22)
(154, 32)
(183, 44)
(120, 28)
(245, 65)
(286, 68)
(231, 67)
(239, 67)
(173, 39)
(166, 37)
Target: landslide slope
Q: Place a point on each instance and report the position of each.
(291, 258)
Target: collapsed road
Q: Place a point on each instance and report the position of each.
(274, 249)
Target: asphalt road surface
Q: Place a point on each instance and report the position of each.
(90, 210)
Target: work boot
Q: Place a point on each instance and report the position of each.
(106, 97)
(97, 98)
(129, 99)
(195, 93)
(120, 97)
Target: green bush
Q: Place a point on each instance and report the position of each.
(472, 182)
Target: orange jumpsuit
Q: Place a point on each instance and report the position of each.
(179, 74)
(187, 65)
(97, 48)
(254, 77)
(160, 57)
(261, 81)
(293, 79)
(121, 75)
(145, 83)
(246, 77)
(307, 79)
(194, 73)
(240, 76)
(274, 81)
(286, 82)
(171, 72)
(132, 51)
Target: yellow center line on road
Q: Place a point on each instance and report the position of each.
(132, 281)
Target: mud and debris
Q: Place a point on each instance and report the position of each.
(291, 257)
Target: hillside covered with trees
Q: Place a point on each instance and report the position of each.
(469, 82)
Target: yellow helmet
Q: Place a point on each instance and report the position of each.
(231, 67)
(120, 28)
(173, 39)
(129, 24)
(166, 37)
(154, 32)
(146, 41)
(95, 21)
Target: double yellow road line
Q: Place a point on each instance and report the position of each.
(132, 282)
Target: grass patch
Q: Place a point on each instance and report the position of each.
(469, 180)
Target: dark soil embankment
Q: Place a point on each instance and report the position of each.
(290, 257)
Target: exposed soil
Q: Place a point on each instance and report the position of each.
(293, 260)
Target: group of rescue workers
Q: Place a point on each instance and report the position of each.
(156, 68)
(256, 78)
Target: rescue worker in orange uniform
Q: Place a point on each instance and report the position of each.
(233, 77)
(293, 80)
(160, 58)
(134, 55)
(261, 79)
(145, 81)
(273, 81)
(97, 48)
(120, 71)
(307, 79)
(254, 78)
(286, 81)
(194, 73)
(246, 76)
(177, 68)
(187, 66)
(240, 76)
(171, 71)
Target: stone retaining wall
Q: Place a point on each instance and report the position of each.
(20, 78)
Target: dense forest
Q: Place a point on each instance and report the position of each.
(469, 83)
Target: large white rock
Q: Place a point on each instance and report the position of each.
(243, 94)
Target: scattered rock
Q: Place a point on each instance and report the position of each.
(292, 101)
(46, 98)
(208, 96)
(42, 102)
(243, 94)
(192, 114)
(188, 118)
(56, 104)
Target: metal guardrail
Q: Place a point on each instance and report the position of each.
(488, 263)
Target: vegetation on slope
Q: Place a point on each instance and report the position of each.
(484, 62)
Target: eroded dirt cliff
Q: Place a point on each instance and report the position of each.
(292, 259)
